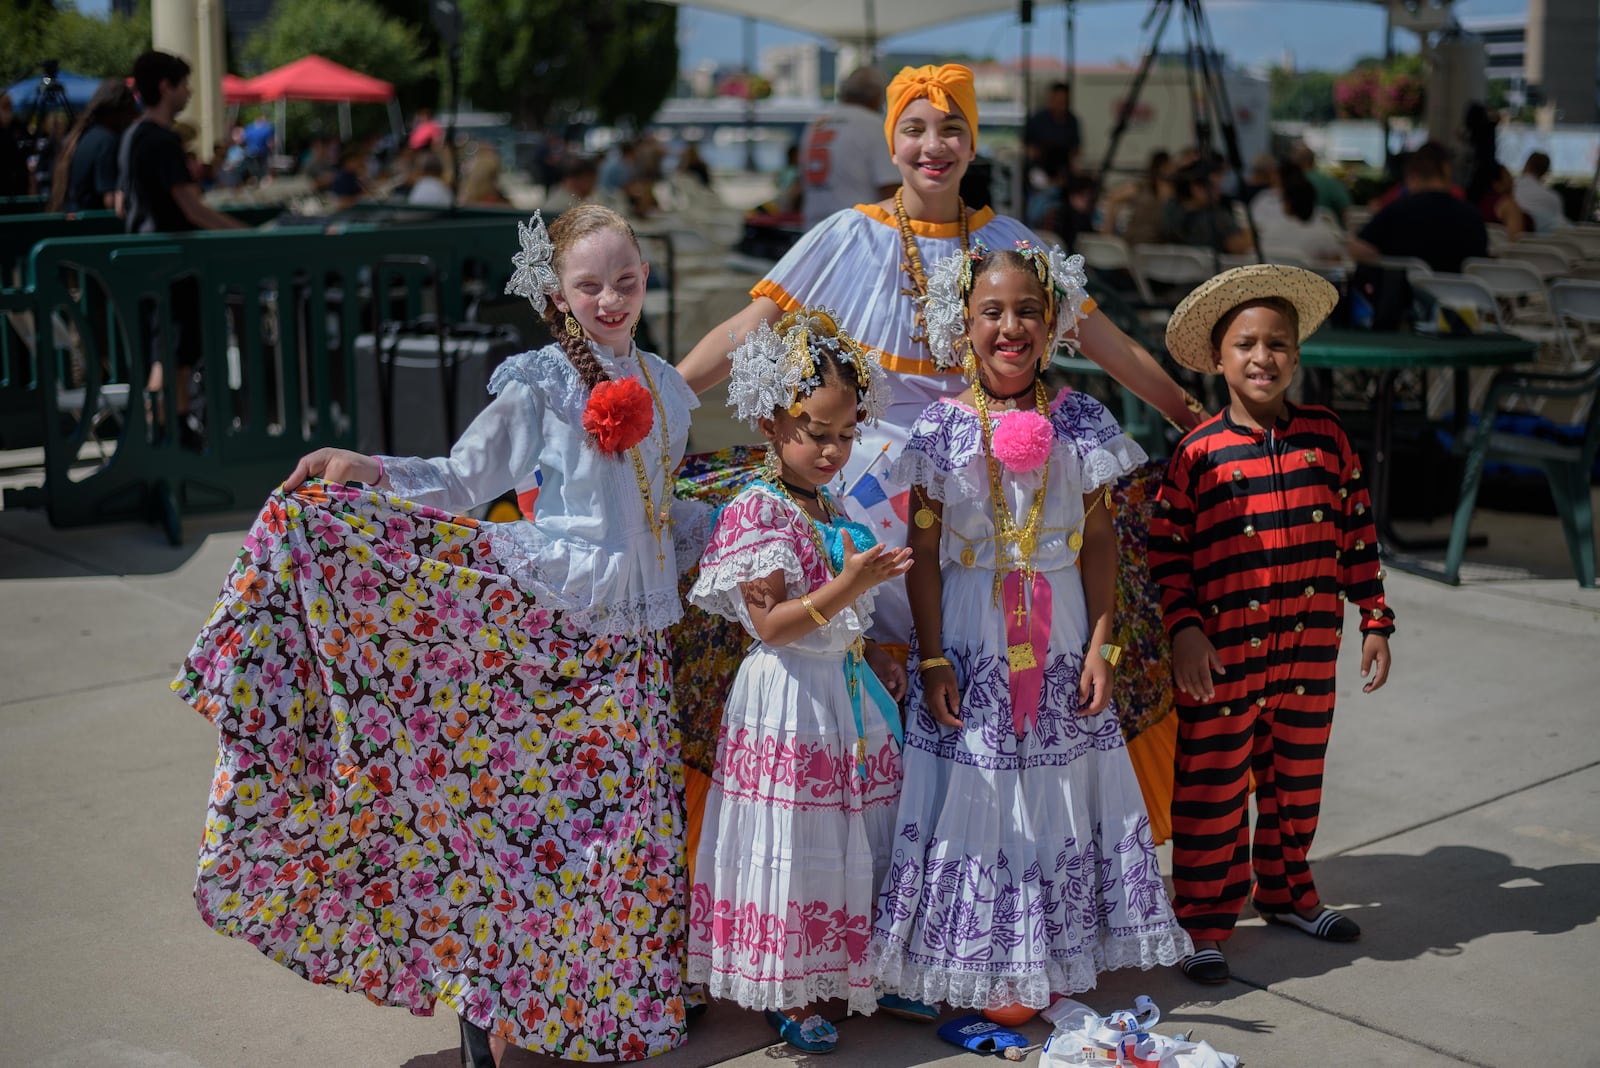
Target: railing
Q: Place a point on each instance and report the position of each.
(279, 314)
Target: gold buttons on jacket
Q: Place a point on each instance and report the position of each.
(1316, 515)
(1377, 613)
(1249, 531)
(1361, 543)
(1255, 606)
(1311, 456)
(1227, 710)
(1215, 609)
(1355, 475)
(1343, 492)
(1166, 504)
(1382, 574)
(1238, 475)
(1261, 702)
(1299, 691)
(1298, 627)
(1255, 643)
(1310, 591)
(1361, 509)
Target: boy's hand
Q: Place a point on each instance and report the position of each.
(1194, 659)
(864, 570)
(1374, 660)
(943, 696)
(1094, 684)
(888, 670)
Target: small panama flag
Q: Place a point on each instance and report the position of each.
(527, 499)
(875, 501)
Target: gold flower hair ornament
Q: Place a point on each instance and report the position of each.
(778, 367)
(950, 287)
(535, 274)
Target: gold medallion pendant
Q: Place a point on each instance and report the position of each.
(1075, 541)
(968, 557)
(923, 518)
(1020, 657)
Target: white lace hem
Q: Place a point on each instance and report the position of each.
(914, 468)
(691, 531)
(1111, 461)
(648, 611)
(859, 993)
(411, 476)
(959, 988)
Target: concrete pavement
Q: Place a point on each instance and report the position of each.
(1459, 828)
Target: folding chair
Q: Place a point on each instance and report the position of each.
(1174, 265)
(1524, 301)
(1472, 302)
(1413, 266)
(1577, 303)
(1549, 261)
(1110, 255)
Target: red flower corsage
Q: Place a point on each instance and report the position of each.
(619, 415)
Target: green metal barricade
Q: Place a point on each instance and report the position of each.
(279, 314)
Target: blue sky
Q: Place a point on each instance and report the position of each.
(1318, 34)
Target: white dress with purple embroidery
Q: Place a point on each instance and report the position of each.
(1022, 865)
(797, 831)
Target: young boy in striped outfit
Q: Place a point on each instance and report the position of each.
(1263, 531)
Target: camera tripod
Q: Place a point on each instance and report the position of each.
(52, 96)
(1211, 110)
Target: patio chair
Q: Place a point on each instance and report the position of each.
(1566, 466)
(1413, 266)
(1174, 265)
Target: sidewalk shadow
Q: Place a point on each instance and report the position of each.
(1411, 907)
(33, 549)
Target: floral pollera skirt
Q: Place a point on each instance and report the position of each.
(431, 787)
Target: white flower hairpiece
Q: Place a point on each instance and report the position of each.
(777, 368)
(535, 276)
(950, 284)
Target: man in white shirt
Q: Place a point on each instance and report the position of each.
(842, 158)
(1542, 204)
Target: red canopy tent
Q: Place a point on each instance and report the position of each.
(237, 91)
(314, 78)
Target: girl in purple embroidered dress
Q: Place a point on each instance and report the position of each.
(1022, 863)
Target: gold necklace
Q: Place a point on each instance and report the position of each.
(812, 525)
(1026, 537)
(925, 518)
(913, 261)
(660, 518)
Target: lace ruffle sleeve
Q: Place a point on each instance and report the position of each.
(940, 454)
(1104, 452)
(755, 535)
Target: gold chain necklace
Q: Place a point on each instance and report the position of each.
(1026, 537)
(913, 262)
(812, 525)
(660, 518)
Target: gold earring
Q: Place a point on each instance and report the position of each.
(573, 328)
(771, 467)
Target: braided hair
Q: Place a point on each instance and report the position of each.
(572, 226)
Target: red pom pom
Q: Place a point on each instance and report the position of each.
(619, 414)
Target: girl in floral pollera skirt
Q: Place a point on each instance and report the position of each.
(449, 763)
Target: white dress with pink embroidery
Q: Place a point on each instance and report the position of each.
(797, 829)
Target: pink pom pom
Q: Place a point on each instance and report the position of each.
(1022, 440)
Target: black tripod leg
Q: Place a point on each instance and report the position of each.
(474, 1046)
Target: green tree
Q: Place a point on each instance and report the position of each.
(544, 59)
(356, 33)
(1302, 96)
(103, 47)
(23, 25)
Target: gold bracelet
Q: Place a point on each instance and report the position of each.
(933, 662)
(822, 620)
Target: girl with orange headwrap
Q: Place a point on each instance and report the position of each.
(867, 263)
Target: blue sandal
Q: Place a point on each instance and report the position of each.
(907, 1009)
(811, 1035)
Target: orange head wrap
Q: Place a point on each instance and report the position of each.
(948, 88)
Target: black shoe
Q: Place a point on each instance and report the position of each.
(1330, 926)
(1207, 966)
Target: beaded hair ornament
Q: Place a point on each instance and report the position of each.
(779, 367)
(950, 287)
(535, 274)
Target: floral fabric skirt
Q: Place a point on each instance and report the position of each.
(430, 787)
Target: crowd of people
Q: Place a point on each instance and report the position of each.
(450, 765)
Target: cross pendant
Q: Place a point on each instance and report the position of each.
(1021, 613)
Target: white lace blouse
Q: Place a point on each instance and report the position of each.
(590, 551)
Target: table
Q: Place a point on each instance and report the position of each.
(1388, 354)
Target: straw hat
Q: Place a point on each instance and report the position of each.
(1189, 329)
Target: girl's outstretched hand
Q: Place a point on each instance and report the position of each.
(335, 465)
(939, 689)
(864, 570)
(888, 670)
(1094, 684)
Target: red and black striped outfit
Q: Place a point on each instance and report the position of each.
(1258, 539)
